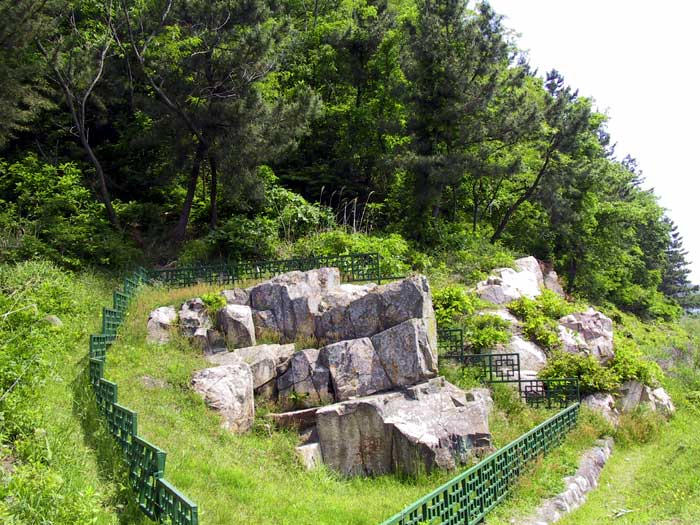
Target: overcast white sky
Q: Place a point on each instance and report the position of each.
(640, 61)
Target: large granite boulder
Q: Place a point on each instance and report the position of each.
(237, 296)
(193, 316)
(532, 357)
(355, 368)
(401, 356)
(590, 332)
(506, 284)
(265, 361)
(293, 299)
(415, 430)
(551, 282)
(633, 394)
(306, 381)
(236, 322)
(210, 341)
(228, 389)
(314, 305)
(408, 351)
(376, 309)
(160, 322)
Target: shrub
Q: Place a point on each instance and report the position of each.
(540, 317)
(242, 238)
(543, 332)
(451, 304)
(214, 302)
(393, 249)
(486, 331)
(48, 213)
(629, 363)
(592, 376)
(295, 216)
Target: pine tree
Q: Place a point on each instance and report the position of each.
(675, 283)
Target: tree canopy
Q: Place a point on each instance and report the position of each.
(210, 128)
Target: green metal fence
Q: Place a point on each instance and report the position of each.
(469, 497)
(354, 267)
(493, 368)
(157, 498)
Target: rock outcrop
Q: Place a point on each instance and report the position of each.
(228, 389)
(160, 322)
(236, 323)
(417, 429)
(590, 332)
(292, 300)
(532, 357)
(604, 404)
(193, 317)
(506, 284)
(306, 381)
(314, 305)
(236, 296)
(266, 363)
(633, 394)
(403, 355)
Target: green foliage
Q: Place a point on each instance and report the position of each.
(465, 377)
(50, 432)
(295, 216)
(592, 376)
(452, 304)
(629, 363)
(540, 315)
(393, 249)
(49, 213)
(239, 238)
(638, 427)
(213, 301)
(484, 332)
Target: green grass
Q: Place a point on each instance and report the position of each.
(58, 465)
(657, 482)
(255, 477)
(545, 478)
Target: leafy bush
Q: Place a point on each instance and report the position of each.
(48, 213)
(451, 304)
(470, 257)
(543, 332)
(295, 216)
(395, 253)
(486, 331)
(540, 317)
(242, 238)
(213, 301)
(629, 363)
(592, 376)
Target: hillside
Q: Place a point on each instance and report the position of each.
(171, 135)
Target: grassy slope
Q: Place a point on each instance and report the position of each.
(653, 474)
(659, 482)
(252, 478)
(67, 471)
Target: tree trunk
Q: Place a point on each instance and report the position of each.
(505, 220)
(104, 191)
(213, 212)
(181, 227)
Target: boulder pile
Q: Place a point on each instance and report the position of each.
(360, 360)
